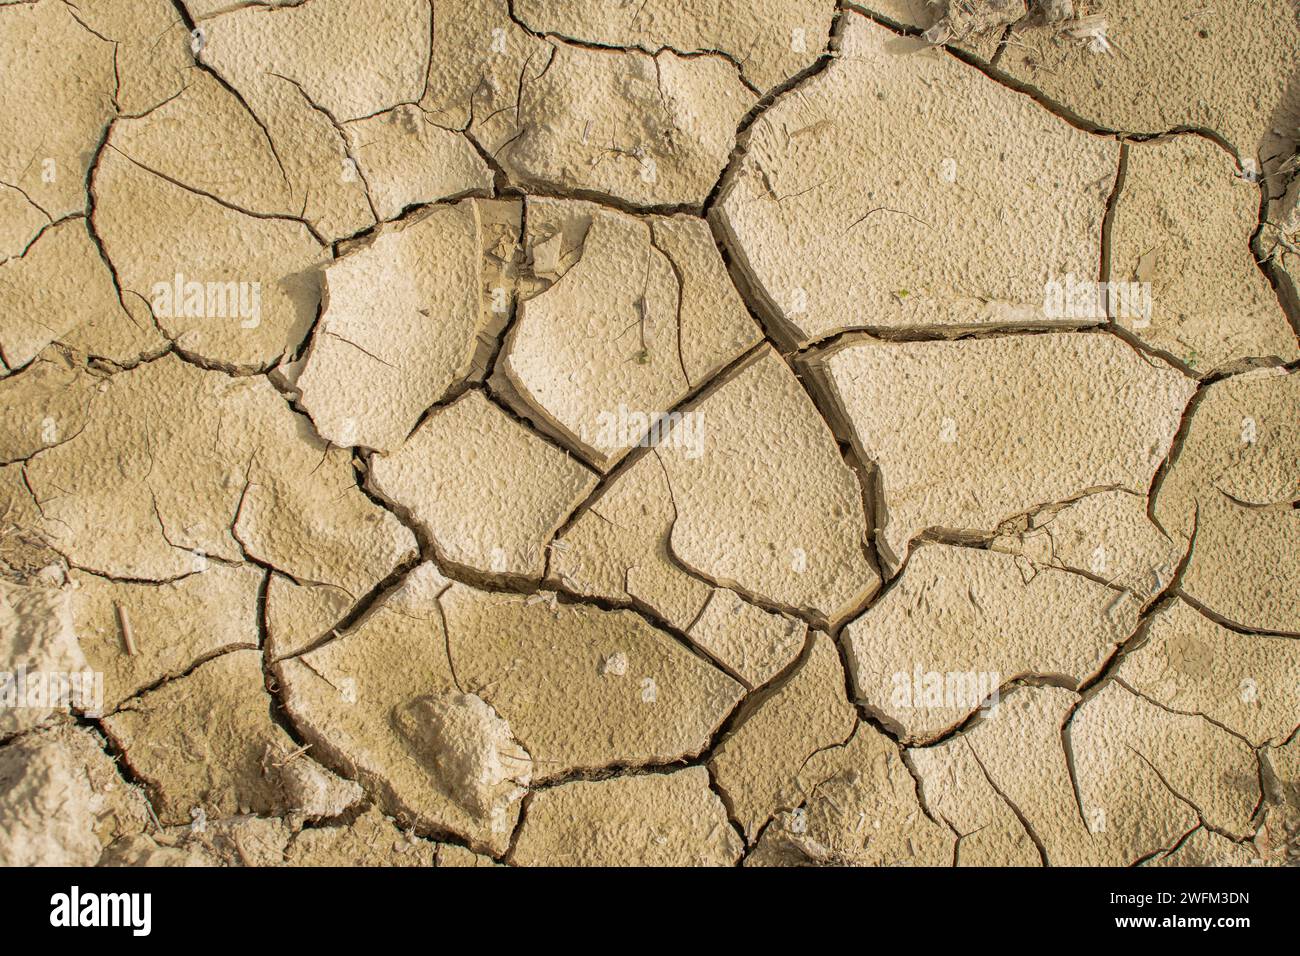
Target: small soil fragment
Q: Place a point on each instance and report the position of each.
(369, 702)
(1232, 484)
(967, 434)
(651, 819)
(1118, 736)
(1183, 223)
(748, 641)
(172, 626)
(770, 40)
(764, 501)
(487, 490)
(1248, 683)
(48, 159)
(539, 665)
(905, 240)
(1138, 80)
(962, 622)
(758, 765)
(472, 749)
(61, 291)
(236, 290)
(618, 547)
(200, 742)
(407, 161)
(608, 380)
(860, 808)
(651, 131)
(959, 792)
(398, 329)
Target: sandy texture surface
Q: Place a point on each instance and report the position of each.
(650, 432)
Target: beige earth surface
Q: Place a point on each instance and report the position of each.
(650, 432)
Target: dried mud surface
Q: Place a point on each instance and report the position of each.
(634, 432)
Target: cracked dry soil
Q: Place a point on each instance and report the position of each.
(777, 432)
